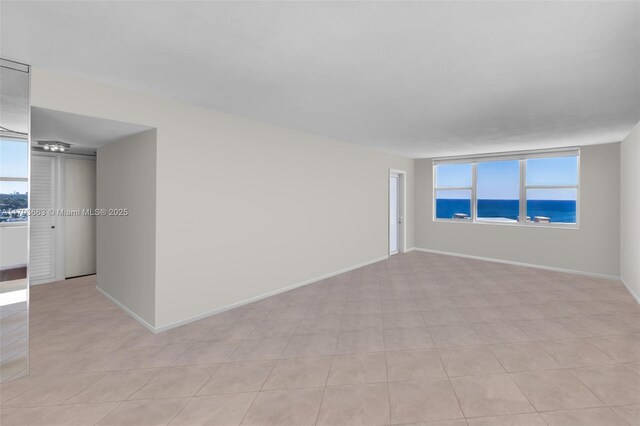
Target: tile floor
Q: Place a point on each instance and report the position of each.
(418, 339)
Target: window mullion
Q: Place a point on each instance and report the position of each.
(474, 179)
(523, 192)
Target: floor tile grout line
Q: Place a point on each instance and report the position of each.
(324, 388)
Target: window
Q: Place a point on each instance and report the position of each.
(14, 180)
(552, 189)
(520, 188)
(453, 191)
(498, 191)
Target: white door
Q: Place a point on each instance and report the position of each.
(80, 231)
(394, 214)
(42, 198)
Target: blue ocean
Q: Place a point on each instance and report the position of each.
(559, 211)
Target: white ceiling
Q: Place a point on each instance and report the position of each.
(415, 78)
(85, 134)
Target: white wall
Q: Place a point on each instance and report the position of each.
(80, 231)
(243, 208)
(594, 248)
(13, 246)
(630, 211)
(126, 249)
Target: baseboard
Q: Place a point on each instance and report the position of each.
(528, 265)
(633, 293)
(127, 310)
(264, 296)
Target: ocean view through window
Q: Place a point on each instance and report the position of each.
(519, 188)
(14, 182)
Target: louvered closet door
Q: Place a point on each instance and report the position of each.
(42, 197)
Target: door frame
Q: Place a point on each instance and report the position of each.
(402, 210)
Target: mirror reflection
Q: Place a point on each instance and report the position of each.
(14, 224)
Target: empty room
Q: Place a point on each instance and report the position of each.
(332, 213)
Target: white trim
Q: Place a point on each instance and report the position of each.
(127, 310)
(402, 186)
(528, 265)
(233, 305)
(514, 155)
(633, 293)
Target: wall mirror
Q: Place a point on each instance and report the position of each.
(14, 220)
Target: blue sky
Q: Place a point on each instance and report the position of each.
(500, 180)
(14, 160)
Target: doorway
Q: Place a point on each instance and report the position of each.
(397, 229)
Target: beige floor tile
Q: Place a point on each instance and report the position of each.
(13, 388)
(422, 401)
(105, 361)
(492, 395)
(622, 348)
(176, 382)
(399, 339)
(398, 305)
(144, 412)
(453, 336)
(259, 349)
(480, 315)
(545, 329)
(360, 342)
(361, 322)
(275, 328)
(53, 390)
(584, 417)
(555, 390)
(613, 384)
(215, 410)
(76, 330)
(521, 312)
(310, 346)
(239, 377)
(459, 422)
(298, 373)
(20, 416)
(357, 369)
(441, 316)
(629, 413)
(585, 326)
(529, 419)
(403, 320)
(364, 404)
(414, 365)
(151, 357)
(500, 332)
(211, 352)
(576, 353)
(116, 386)
(292, 407)
(469, 361)
(527, 356)
(321, 325)
(76, 415)
(237, 331)
(363, 307)
(633, 366)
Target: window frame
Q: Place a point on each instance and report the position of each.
(522, 157)
(18, 179)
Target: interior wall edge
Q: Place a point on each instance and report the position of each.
(631, 290)
(126, 309)
(511, 262)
